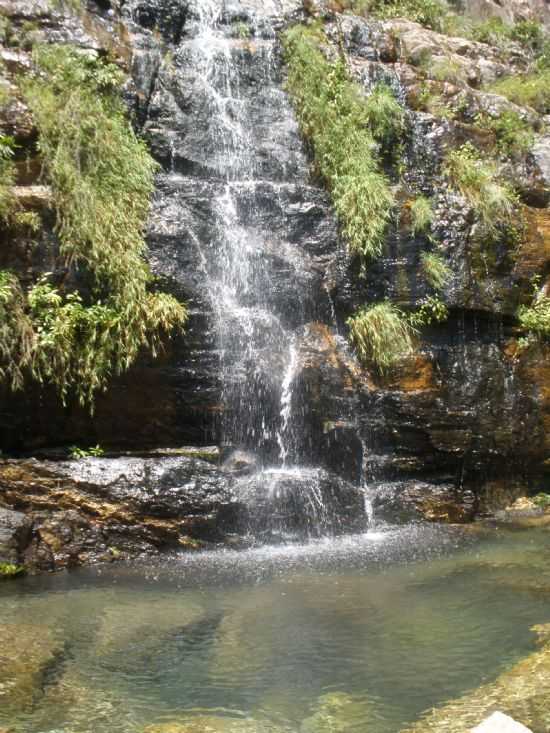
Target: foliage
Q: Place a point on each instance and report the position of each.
(384, 115)
(513, 134)
(421, 214)
(430, 13)
(536, 317)
(17, 338)
(477, 180)
(334, 118)
(95, 451)
(102, 178)
(241, 30)
(527, 90)
(435, 269)
(10, 570)
(495, 32)
(432, 310)
(542, 500)
(449, 70)
(381, 334)
(7, 176)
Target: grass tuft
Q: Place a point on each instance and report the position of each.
(335, 117)
(477, 180)
(102, 179)
(381, 334)
(436, 271)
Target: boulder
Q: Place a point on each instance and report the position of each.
(500, 723)
(27, 654)
(98, 509)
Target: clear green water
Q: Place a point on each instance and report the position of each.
(400, 621)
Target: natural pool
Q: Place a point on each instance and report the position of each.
(363, 634)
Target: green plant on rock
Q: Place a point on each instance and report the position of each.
(526, 90)
(95, 451)
(333, 116)
(535, 319)
(433, 14)
(17, 338)
(384, 115)
(449, 70)
(436, 271)
(432, 310)
(381, 334)
(542, 500)
(421, 214)
(514, 135)
(102, 179)
(477, 180)
(7, 176)
(11, 570)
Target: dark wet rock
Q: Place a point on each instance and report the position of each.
(101, 509)
(403, 501)
(15, 533)
(300, 502)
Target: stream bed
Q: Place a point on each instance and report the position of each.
(362, 633)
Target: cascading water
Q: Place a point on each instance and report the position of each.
(254, 340)
(263, 286)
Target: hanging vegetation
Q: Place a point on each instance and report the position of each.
(336, 119)
(102, 178)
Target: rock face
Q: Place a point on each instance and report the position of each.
(102, 509)
(464, 410)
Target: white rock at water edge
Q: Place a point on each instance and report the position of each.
(500, 723)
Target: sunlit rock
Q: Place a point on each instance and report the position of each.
(523, 693)
(500, 723)
(27, 653)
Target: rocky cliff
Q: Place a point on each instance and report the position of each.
(468, 408)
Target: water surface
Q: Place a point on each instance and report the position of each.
(391, 622)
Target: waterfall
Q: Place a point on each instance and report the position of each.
(260, 230)
(256, 341)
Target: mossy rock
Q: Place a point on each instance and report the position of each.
(213, 724)
(27, 652)
(523, 693)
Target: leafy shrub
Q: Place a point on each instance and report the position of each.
(95, 451)
(421, 214)
(7, 176)
(536, 318)
(381, 334)
(384, 115)
(477, 180)
(526, 90)
(334, 117)
(102, 178)
(542, 500)
(17, 339)
(432, 310)
(430, 13)
(435, 269)
(10, 570)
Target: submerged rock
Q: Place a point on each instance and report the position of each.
(523, 693)
(27, 653)
(213, 724)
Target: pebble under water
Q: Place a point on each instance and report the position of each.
(393, 621)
